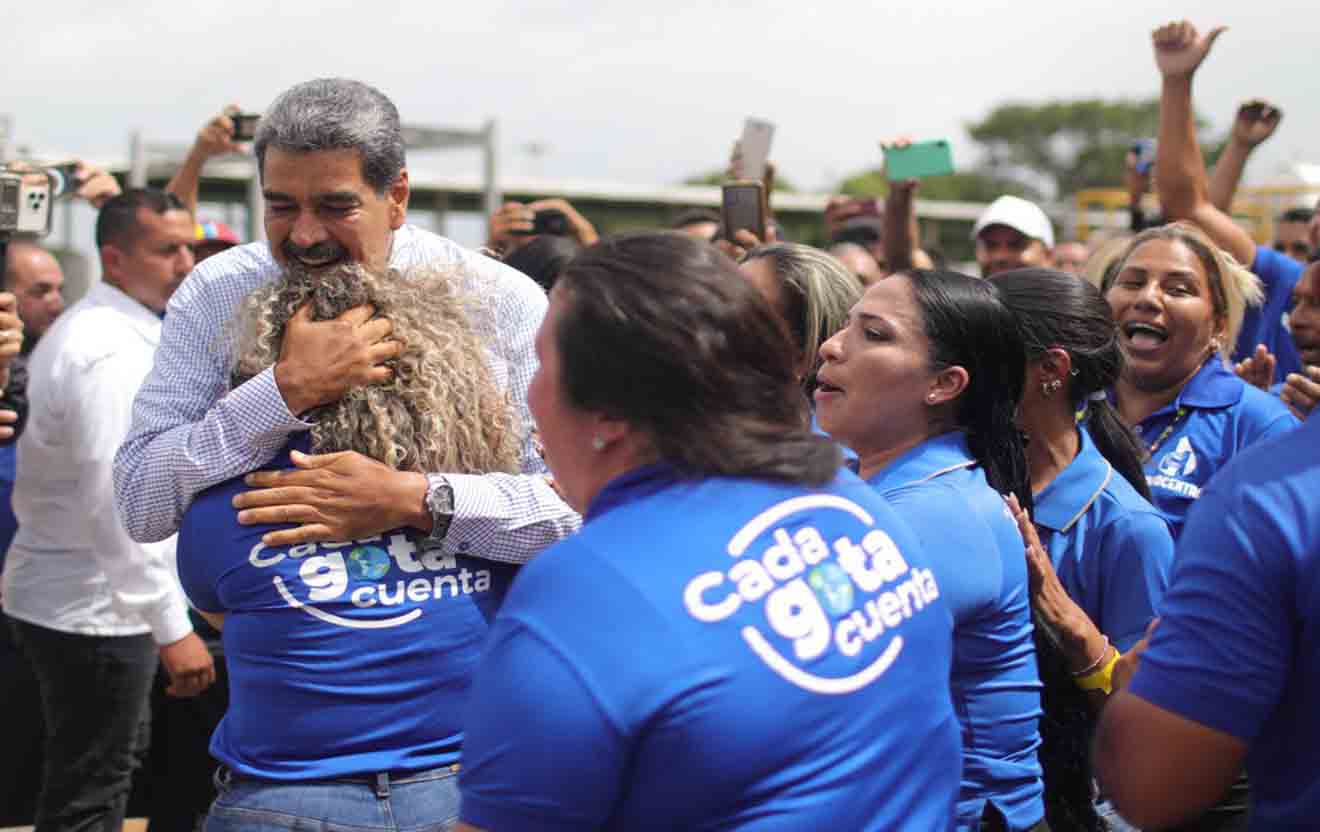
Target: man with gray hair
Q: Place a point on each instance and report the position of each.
(331, 159)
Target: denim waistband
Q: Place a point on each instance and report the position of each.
(379, 782)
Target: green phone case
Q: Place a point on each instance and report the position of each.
(918, 160)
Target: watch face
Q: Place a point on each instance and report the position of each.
(440, 498)
(440, 503)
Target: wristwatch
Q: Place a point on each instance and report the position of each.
(440, 503)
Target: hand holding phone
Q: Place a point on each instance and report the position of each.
(918, 160)
(245, 126)
(742, 208)
(1143, 151)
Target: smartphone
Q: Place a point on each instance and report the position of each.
(918, 160)
(754, 148)
(550, 221)
(35, 195)
(1144, 150)
(245, 126)
(742, 207)
(63, 179)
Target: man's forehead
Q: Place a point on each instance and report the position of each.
(32, 262)
(172, 223)
(1001, 232)
(321, 171)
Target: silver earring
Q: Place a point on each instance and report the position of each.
(597, 444)
(930, 398)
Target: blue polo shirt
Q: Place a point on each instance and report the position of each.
(978, 557)
(1110, 548)
(8, 522)
(1268, 323)
(1222, 414)
(1238, 646)
(344, 658)
(718, 654)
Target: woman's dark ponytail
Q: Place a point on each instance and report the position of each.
(1058, 310)
(1116, 442)
(968, 326)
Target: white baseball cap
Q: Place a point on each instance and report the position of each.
(1018, 214)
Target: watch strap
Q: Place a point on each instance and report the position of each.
(440, 504)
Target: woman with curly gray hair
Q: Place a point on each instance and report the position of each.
(349, 662)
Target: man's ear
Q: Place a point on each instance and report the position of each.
(397, 196)
(112, 261)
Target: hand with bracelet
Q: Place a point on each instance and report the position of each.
(1090, 656)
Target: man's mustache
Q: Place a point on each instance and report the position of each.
(327, 250)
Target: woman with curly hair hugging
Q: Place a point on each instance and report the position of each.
(349, 662)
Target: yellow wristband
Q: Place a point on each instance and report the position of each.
(1102, 679)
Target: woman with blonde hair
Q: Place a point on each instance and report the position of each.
(812, 292)
(350, 662)
(1179, 301)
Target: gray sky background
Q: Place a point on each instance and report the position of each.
(639, 92)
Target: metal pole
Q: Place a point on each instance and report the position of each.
(492, 187)
(6, 128)
(66, 217)
(137, 171)
(440, 212)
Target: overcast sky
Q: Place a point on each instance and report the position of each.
(638, 92)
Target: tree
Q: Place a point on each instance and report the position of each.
(1061, 147)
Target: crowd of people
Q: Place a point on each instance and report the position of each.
(354, 528)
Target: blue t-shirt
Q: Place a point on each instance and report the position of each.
(1110, 548)
(978, 556)
(1220, 415)
(718, 654)
(1238, 646)
(1268, 323)
(343, 658)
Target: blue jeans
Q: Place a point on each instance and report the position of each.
(423, 802)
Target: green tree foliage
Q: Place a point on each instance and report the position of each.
(1046, 150)
(1061, 147)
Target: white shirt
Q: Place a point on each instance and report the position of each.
(190, 431)
(72, 566)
